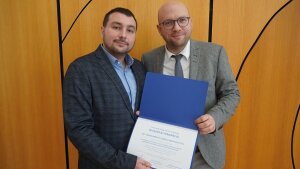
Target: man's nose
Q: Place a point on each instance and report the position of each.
(176, 26)
(123, 33)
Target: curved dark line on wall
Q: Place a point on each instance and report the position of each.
(241, 67)
(76, 20)
(293, 132)
(262, 31)
(60, 42)
(61, 62)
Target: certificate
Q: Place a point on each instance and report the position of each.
(164, 146)
(165, 133)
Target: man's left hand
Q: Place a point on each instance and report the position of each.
(206, 124)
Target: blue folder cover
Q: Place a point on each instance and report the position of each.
(173, 100)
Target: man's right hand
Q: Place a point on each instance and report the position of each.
(142, 164)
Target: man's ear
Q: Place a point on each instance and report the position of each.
(158, 29)
(102, 30)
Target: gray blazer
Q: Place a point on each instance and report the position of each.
(208, 62)
(98, 115)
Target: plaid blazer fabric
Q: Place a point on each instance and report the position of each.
(97, 112)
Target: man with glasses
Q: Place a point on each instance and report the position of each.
(181, 56)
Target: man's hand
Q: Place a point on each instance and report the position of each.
(206, 124)
(142, 164)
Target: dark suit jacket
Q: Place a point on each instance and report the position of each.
(98, 115)
(208, 62)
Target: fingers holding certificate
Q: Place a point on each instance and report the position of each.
(142, 164)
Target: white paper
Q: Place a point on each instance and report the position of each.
(164, 146)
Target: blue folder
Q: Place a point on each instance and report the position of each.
(173, 100)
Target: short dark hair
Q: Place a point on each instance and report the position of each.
(121, 10)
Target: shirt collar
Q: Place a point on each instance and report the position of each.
(185, 52)
(113, 60)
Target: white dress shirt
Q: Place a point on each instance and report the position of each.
(169, 62)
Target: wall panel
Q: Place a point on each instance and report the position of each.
(85, 34)
(259, 135)
(236, 25)
(31, 135)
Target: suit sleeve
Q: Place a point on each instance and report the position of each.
(79, 123)
(227, 91)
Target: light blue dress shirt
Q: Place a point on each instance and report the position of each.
(126, 75)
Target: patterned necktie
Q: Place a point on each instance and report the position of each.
(178, 68)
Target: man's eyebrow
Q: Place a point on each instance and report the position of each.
(117, 23)
(131, 26)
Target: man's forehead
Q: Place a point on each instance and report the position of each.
(172, 11)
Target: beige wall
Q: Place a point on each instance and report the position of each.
(31, 123)
(258, 136)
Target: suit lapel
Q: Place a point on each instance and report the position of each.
(194, 64)
(139, 80)
(159, 60)
(112, 74)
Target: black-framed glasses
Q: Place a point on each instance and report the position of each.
(181, 21)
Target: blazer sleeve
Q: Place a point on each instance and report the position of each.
(227, 91)
(79, 123)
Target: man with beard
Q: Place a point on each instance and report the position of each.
(101, 94)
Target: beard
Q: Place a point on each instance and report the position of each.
(119, 48)
(176, 46)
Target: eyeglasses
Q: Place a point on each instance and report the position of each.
(181, 21)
